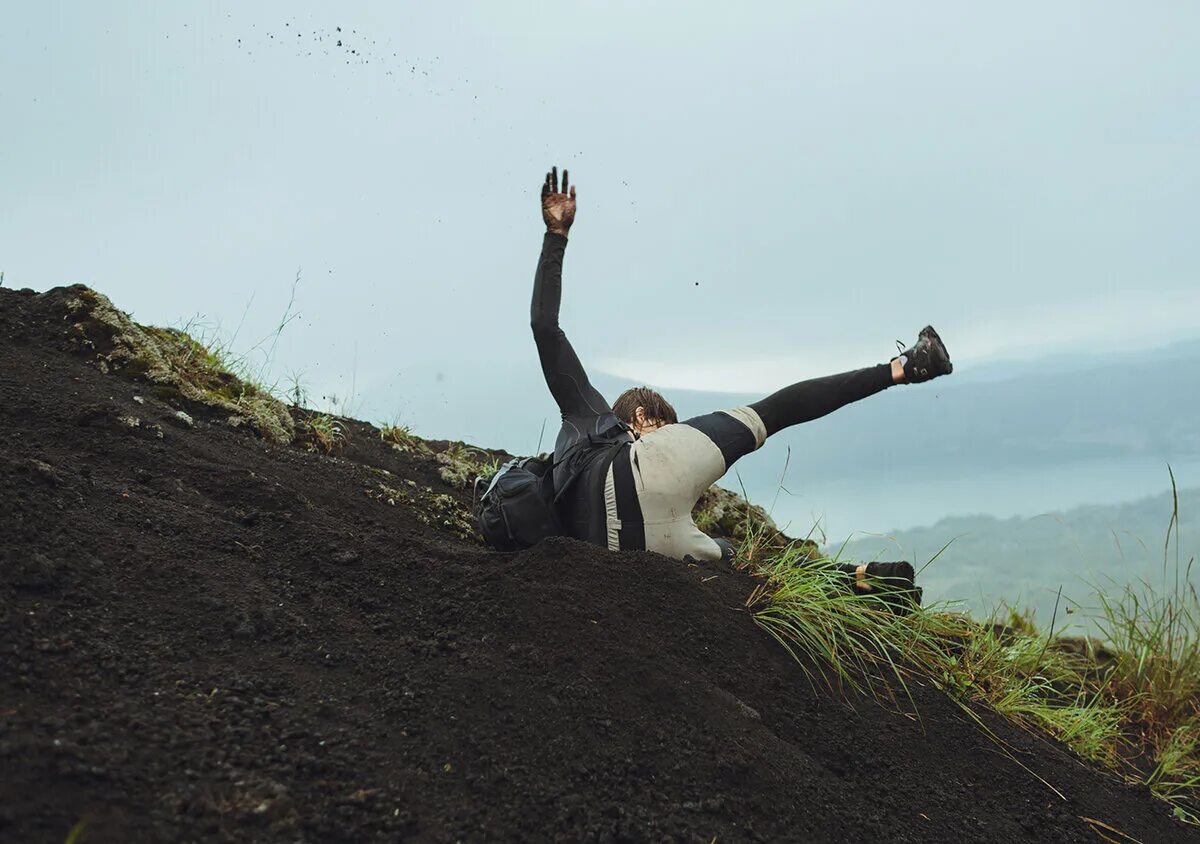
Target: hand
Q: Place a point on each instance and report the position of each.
(558, 209)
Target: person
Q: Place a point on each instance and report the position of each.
(627, 475)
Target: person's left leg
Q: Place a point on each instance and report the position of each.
(805, 401)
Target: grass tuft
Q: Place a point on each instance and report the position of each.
(401, 438)
(459, 464)
(321, 432)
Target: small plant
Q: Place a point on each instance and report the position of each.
(296, 391)
(401, 438)
(437, 510)
(1176, 774)
(489, 467)
(321, 432)
(460, 464)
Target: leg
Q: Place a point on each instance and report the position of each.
(817, 397)
(807, 400)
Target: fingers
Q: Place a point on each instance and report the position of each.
(550, 185)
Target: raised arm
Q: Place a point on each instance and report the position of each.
(564, 373)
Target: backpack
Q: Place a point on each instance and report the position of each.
(515, 509)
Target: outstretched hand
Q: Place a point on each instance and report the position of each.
(558, 207)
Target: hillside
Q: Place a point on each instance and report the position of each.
(209, 632)
(1026, 560)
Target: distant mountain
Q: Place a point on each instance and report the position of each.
(1026, 560)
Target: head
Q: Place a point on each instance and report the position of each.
(644, 410)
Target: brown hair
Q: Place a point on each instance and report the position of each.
(656, 408)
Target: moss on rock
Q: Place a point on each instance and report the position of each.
(722, 513)
(175, 362)
(437, 510)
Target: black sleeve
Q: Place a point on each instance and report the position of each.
(564, 373)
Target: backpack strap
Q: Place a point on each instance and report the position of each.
(593, 442)
(632, 534)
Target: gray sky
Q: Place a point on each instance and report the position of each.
(767, 191)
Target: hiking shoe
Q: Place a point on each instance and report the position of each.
(927, 358)
(897, 575)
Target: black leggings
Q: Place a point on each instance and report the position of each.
(817, 397)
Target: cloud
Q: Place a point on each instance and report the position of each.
(1108, 322)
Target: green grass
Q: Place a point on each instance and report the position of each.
(75, 835)
(401, 438)
(321, 432)
(1129, 702)
(459, 464)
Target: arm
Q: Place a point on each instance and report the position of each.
(564, 373)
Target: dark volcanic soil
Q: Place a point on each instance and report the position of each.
(207, 637)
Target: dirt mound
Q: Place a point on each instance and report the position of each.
(206, 635)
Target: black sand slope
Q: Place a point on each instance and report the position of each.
(205, 636)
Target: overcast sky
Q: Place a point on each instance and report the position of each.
(766, 191)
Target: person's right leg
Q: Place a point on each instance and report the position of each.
(805, 401)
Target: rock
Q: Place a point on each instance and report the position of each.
(726, 514)
(183, 419)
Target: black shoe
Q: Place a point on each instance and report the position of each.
(927, 358)
(899, 575)
(895, 585)
(895, 577)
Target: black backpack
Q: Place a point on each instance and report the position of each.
(515, 508)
